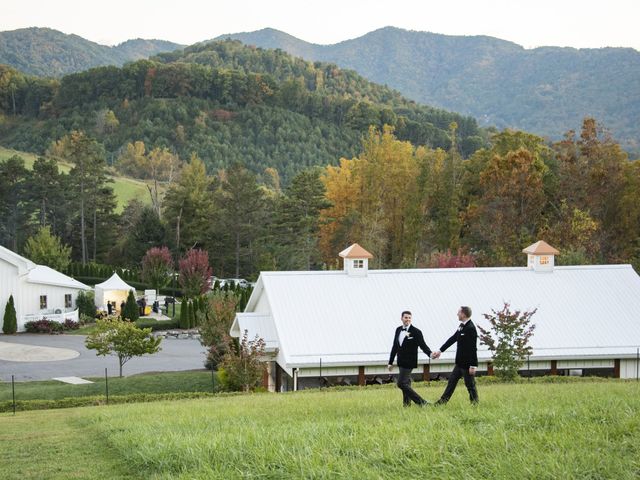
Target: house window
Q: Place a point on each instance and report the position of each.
(67, 300)
(544, 260)
(358, 264)
(43, 302)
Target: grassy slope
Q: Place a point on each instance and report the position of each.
(53, 445)
(124, 188)
(537, 430)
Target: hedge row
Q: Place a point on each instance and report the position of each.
(96, 400)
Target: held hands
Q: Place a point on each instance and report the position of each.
(435, 355)
(472, 371)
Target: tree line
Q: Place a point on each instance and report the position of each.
(410, 206)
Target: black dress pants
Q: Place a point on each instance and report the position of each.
(469, 381)
(408, 393)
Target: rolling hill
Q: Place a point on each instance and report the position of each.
(545, 90)
(228, 103)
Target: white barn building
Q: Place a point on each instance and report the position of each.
(330, 324)
(38, 291)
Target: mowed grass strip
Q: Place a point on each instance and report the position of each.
(549, 431)
(169, 382)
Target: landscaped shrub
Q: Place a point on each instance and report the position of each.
(10, 321)
(71, 324)
(86, 319)
(156, 325)
(184, 313)
(43, 326)
(86, 304)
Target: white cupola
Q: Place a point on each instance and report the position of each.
(356, 260)
(540, 256)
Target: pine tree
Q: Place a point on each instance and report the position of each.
(10, 322)
(131, 311)
(184, 314)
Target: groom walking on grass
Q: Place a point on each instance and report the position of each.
(406, 341)
(466, 336)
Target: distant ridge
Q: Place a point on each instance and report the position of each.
(50, 53)
(545, 90)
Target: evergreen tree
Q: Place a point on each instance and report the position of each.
(299, 219)
(131, 311)
(10, 321)
(13, 202)
(184, 313)
(240, 208)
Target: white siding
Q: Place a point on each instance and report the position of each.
(629, 368)
(600, 363)
(263, 305)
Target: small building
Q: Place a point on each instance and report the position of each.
(320, 326)
(115, 290)
(38, 291)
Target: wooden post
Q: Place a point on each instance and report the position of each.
(361, 378)
(278, 378)
(616, 368)
(554, 367)
(426, 370)
(265, 376)
(490, 369)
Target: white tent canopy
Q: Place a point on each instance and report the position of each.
(112, 290)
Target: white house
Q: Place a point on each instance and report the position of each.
(341, 323)
(38, 291)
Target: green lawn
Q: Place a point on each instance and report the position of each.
(168, 382)
(125, 188)
(537, 430)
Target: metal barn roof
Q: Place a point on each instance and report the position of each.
(48, 276)
(583, 311)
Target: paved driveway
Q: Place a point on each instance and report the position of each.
(175, 355)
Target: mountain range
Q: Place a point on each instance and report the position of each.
(546, 90)
(50, 53)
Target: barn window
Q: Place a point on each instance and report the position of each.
(43, 302)
(358, 264)
(67, 300)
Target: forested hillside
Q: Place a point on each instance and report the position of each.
(50, 53)
(226, 103)
(544, 90)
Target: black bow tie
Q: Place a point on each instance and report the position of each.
(405, 329)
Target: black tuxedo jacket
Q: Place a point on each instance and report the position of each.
(408, 351)
(467, 352)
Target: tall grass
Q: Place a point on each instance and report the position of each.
(581, 430)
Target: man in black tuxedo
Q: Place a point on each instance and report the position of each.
(406, 341)
(466, 337)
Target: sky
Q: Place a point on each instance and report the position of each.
(573, 23)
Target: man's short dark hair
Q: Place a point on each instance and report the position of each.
(406, 312)
(466, 311)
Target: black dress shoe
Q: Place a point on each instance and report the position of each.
(440, 402)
